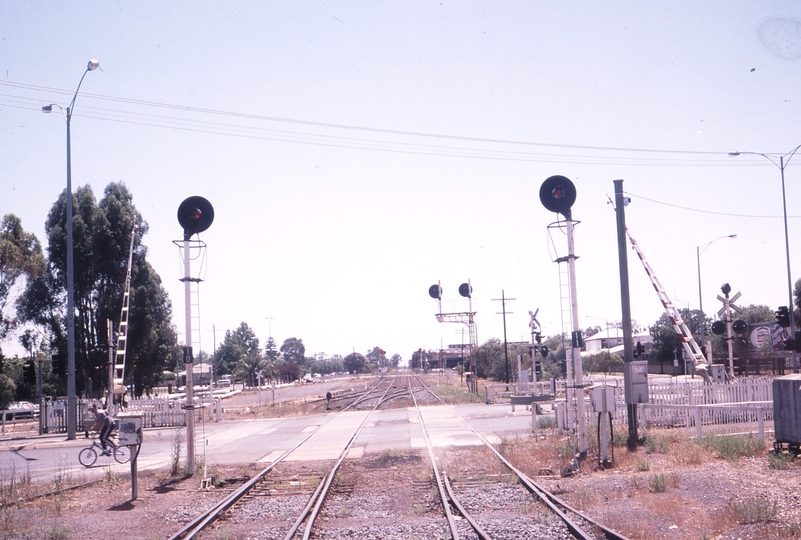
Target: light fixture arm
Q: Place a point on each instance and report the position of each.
(72, 410)
(781, 165)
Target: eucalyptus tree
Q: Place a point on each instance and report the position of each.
(102, 235)
(236, 345)
(20, 257)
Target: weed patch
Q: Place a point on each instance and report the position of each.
(732, 447)
(657, 444)
(565, 450)
(687, 453)
(779, 462)
(658, 483)
(546, 422)
(754, 510)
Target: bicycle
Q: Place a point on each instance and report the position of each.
(88, 455)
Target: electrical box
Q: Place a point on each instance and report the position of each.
(130, 428)
(602, 398)
(635, 381)
(787, 409)
(717, 372)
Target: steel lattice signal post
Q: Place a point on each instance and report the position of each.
(195, 215)
(558, 194)
(464, 317)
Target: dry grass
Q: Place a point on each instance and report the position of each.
(687, 453)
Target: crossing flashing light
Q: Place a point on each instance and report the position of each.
(783, 316)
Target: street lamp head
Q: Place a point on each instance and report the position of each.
(732, 236)
(47, 108)
(734, 154)
(92, 65)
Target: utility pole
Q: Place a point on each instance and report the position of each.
(503, 301)
(625, 303)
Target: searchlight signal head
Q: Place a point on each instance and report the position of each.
(195, 215)
(558, 194)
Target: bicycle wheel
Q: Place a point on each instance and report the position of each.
(87, 457)
(122, 454)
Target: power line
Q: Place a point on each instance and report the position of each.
(338, 141)
(687, 208)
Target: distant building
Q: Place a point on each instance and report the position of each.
(611, 340)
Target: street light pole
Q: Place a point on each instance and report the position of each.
(698, 252)
(781, 165)
(71, 401)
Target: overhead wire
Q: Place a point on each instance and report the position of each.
(377, 144)
(700, 211)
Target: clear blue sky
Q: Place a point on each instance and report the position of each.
(357, 152)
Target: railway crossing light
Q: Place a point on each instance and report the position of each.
(740, 326)
(544, 351)
(783, 316)
(718, 328)
(435, 292)
(466, 290)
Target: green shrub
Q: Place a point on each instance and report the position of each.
(779, 462)
(732, 447)
(755, 510)
(546, 422)
(656, 445)
(658, 483)
(642, 465)
(565, 449)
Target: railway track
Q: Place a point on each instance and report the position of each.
(375, 394)
(396, 495)
(579, 525)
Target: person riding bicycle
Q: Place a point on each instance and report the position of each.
(105, 424)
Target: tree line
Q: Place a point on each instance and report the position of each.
(489, 360)
(239, 355)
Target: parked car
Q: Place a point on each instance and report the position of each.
(23, 409)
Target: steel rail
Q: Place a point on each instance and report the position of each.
(443, 497)
(366, 396)
(548, 498)
(326, 484)
(482, 534)
(191, 529)
(425, 387)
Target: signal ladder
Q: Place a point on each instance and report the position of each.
(566, 315)
(122, 338)
(194, 302)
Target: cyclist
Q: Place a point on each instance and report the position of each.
(104, 424)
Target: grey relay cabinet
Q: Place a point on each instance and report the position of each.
(787, 411)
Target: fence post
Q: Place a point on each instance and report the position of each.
(761, 422)
(697, 412)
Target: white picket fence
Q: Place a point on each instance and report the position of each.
(160, 411)
(741, 407)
